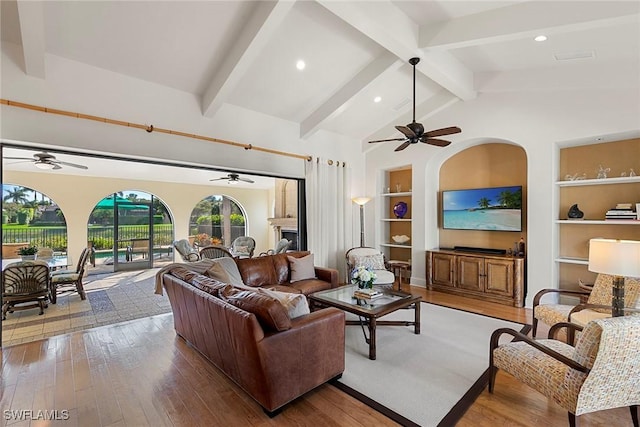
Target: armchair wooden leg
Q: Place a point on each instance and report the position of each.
(535, 328)
(572, 419)
(81, 292)
(53, 294)
(634, 415)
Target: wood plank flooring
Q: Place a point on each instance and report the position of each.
(140, 373)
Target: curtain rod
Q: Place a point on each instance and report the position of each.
(149, 128)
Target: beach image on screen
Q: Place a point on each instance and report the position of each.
(497, 209)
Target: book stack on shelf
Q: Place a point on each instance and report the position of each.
(622, 211)
(367, 293)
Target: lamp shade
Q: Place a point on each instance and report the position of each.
(615, 257)
(360, 200)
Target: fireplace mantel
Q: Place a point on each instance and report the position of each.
(284, 223)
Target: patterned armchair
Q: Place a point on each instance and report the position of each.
(598, 305)
(214, 251)
(282, 246)
(601, 372)
(186, 251)
(373, 259)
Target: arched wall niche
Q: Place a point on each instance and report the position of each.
(483, 164)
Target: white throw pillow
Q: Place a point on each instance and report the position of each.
(301, 268)
(374, 262)
(296, 304)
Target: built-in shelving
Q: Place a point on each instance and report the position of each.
(390, 224)
(598, 222)
(599, 181)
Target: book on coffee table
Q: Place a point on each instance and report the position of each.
(367, 293)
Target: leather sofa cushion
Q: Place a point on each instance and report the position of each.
(257, 271)
(295, 304)
(271, 314)
(209, 285)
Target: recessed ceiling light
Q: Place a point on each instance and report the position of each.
(300, 65)
(377, 99)
(540, 38)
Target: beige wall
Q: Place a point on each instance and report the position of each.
(486, 165)
(77, 197)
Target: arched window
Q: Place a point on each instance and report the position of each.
(216, 220)
(29, 216)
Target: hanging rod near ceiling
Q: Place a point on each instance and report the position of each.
(149, 128)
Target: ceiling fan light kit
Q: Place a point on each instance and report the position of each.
(414, 132)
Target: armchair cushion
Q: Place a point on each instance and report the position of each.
(374, 262)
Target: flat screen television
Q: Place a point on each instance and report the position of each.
(492, 209)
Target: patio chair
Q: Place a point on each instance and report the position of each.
(213, 252)
(281, 247)
(243, 247)
(601, 372)
(25, 281)
(598, 304)
(373, 259)
(62, 280)
(186, 251)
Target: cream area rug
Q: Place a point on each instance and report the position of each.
(428, 379)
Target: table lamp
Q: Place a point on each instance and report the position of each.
(618, 258)
(361, 201)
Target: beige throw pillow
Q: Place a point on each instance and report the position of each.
(301, 268)
(296, 304)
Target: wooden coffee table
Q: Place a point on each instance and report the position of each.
(370, 310)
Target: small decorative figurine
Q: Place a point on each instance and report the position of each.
(575, 213)
(400, 209)
(602, 172)
(632, 172)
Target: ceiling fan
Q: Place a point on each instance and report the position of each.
(414, 132)
(48, 161)
(233, 178)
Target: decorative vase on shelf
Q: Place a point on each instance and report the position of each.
(575, 213)
(400, 209)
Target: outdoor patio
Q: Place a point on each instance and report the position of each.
(111, 298)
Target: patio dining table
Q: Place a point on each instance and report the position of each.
(54, 263)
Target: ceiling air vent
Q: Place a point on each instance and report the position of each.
(574, 55)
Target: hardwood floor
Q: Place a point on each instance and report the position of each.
(140, 373)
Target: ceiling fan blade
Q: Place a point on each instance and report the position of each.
(57, 166)
(19, 158)
(250, 181)
(444, 131)
(436, 142)
(219, 179)
(385, 140)
(73, 165)
(402, 146)
(406, 131)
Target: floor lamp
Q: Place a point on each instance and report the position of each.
(361, 201)
(618, 258)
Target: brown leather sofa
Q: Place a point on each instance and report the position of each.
(273, 272)
(273, 366)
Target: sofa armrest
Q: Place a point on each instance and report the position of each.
(328, 275)
(301, 358)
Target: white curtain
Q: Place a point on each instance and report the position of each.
(329, 213)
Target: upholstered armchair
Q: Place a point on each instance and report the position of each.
(598, 304)
(25, 281)
(243, 247)
(186, 251)
(373, 259)
(601, 372)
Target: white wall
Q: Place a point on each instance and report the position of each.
(537, 121)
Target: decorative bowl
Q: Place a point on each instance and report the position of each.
(402, 239)
(400, 209)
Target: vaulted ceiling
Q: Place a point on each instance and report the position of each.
(245, 52)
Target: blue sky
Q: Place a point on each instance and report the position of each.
(465, 199)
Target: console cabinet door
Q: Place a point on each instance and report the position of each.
(499, 277)
(471, 273)
(442, 269)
